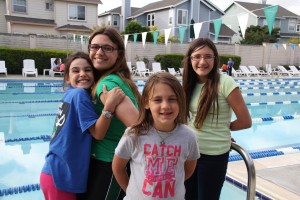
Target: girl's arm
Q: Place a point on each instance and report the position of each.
(237, 103)
(119, 170)
(189, 168)
(110, 100)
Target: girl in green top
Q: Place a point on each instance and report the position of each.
(211, 97)
(107, 51)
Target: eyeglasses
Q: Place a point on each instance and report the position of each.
(105, 48)
(206, 57)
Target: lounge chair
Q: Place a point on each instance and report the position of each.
(237, 73)
(181, 71)
(29, 68)
(156, 67)
(253, 69)
(284, 71)
(294, 70)
(173, 71)
(52, 72)
(141, 69)
(3, 69)
(248, 73)
(131, 69)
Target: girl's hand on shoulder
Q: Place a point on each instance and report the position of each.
(111, 99)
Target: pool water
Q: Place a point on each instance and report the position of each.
(27, 114)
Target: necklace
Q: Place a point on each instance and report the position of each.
(163, 136)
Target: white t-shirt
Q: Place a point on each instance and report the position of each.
(157, 171)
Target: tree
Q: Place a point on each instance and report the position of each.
(134, 27)
(258, 35)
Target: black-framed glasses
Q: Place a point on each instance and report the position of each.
(206, 57)
(105, 48)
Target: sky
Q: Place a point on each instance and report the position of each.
(292, 5)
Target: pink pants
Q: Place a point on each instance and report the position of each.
(51, 192)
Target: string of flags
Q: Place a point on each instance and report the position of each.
(270, 14)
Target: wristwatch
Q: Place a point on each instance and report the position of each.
(107, 114)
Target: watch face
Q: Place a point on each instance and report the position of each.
(107, 114)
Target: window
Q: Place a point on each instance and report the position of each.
(19, 6)
(182, 16)
(76, 12)
(298, 27)
(292, 24)
(49, 6)
(150, 19)
(115, 20)
(170, 16)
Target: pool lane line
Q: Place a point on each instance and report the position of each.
(270, 94)
(274, 103)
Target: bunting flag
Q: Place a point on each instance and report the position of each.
(144, 36)
(217, 27)
(284, 46)
(197, 29)
(293, 46)
(167, 35)
(134, 38)
(125, 40)
(243, 20)
(270, 13)
(181, 33)
(155, 36)
(276, 45)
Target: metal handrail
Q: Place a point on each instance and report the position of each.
(250, 170)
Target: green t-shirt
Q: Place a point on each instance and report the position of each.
(104, 149)
(214, 137)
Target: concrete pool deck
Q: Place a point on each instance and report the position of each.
(277, 177)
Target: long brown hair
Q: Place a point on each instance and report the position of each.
(145, 121)
(120, 67)
(209, 93)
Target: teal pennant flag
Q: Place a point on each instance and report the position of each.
(181, 33)
(134, 38)
(217, 27)
(155, 36)
(270, 13)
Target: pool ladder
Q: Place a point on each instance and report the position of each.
(250, 170)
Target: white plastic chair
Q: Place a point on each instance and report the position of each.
(156, 67)
(294, 70)
(141, 69)
(254, 70)
(284, 71)
(173, 72)
(131, 69)
(52, 72)
(29, 68)
(3, 69)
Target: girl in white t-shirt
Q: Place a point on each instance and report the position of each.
(161, 149)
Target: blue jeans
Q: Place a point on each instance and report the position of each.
(207, 181)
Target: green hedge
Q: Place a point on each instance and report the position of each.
(175, 60)
(169, 60)
(14, 57)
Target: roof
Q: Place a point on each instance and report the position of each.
(164, 4)
(117, 11)
(69, 27)
(224, 30)
(27, 20)
(258, 9)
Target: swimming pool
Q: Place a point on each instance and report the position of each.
(27, 114)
